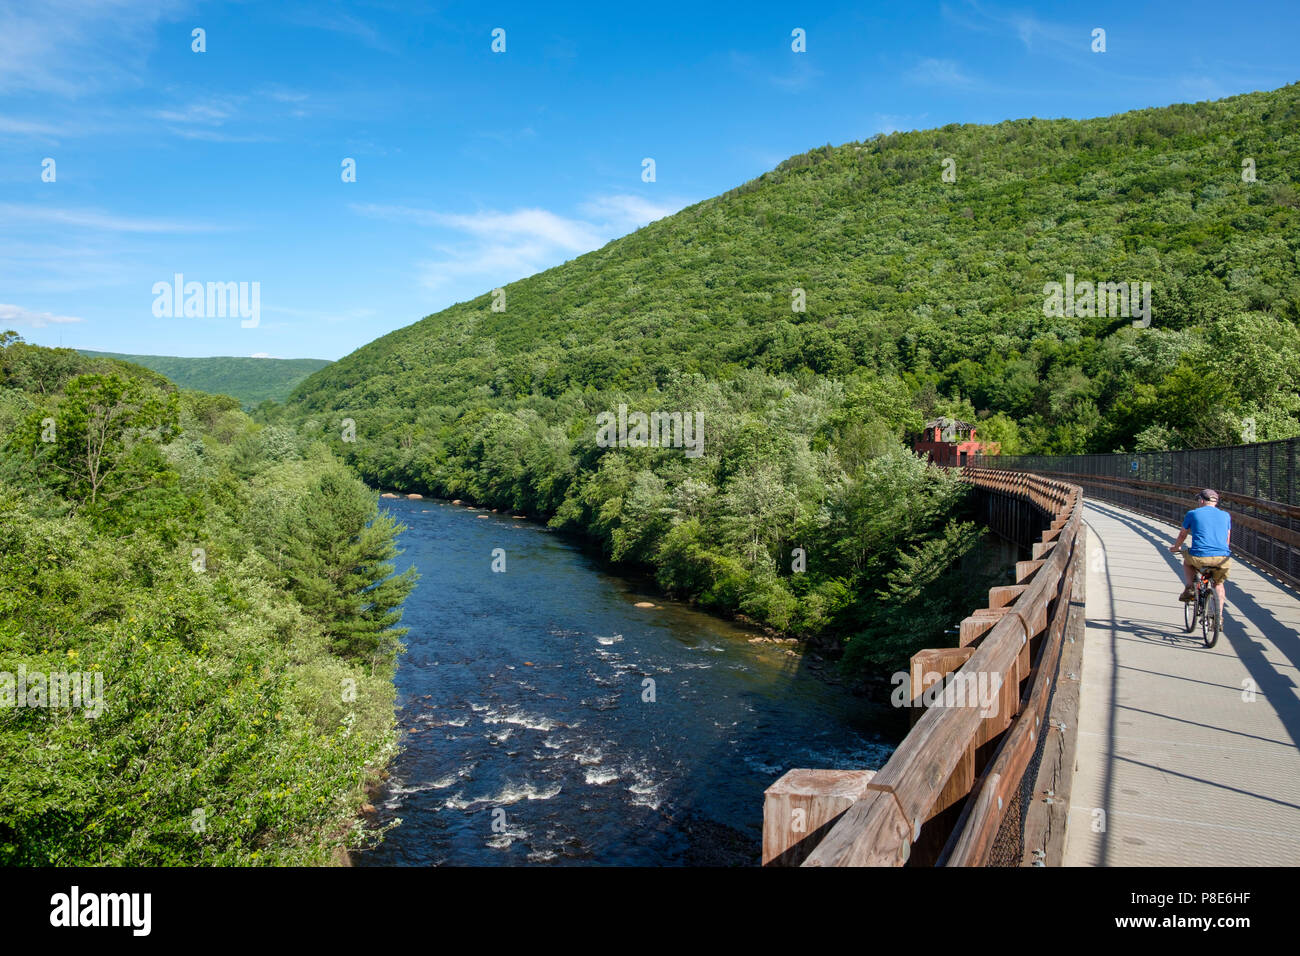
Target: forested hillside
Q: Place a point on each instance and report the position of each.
(222, 594)
(920, 295)
(251, 380)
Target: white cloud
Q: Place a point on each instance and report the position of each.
(500, 246)
(216, 136)
(1030, 30)
(934, 72)
(204, 119)
(17, 315)
(17, 214)
(799, 74)
(19, 127)
(894, 122)
(529, 226)
(799, 77)
(312, 15)
(1202, 87)
(209, 113)
(282, 94)
(633, 211)
(73, 47)
(1033, 33)
(315, 315)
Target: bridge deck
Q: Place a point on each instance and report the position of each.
(1186, 771)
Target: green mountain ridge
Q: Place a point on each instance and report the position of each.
(901, 270)
(251, 380)
(922, 297)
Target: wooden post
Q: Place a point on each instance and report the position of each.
(931, 666)
(1005, 594)
(799, 809)
(978, 624)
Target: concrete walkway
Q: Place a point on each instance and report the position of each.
(1176, 766)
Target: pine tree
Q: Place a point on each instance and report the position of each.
(336, 552)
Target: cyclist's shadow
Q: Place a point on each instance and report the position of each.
(1159, 632)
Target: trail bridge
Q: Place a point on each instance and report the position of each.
(1076, 723)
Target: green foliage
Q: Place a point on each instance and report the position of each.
(334, 550)
(243, 708)
(931, 587)
(97, 440)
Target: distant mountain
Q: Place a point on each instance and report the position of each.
(1128, 282)
(927, 255)
(251, 380)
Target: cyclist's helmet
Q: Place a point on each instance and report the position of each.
(1208, 494)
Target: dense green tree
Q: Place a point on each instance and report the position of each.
(98, 436)
(218, 732)
(335, 550)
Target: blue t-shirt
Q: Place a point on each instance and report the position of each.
(1209, 528)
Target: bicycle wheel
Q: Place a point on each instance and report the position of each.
(1212, 620)
(1189, 612)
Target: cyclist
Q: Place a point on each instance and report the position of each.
(1210, 529)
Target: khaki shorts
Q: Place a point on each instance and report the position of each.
(1220, 563)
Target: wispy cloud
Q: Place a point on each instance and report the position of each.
(282, 94)
(316, 315)
(893, 122)
(1071, 43)
(21, 215)
(317, 16)
(508, 137)
(625, 210)
(12, 126)
(1035, 34)
(218, 136)
(504, 246)
(208, 113)
(536, 225)
(1202, 88)
(11, 315)
(935, 72)
(798, 75)
(72, 47)
(205, 120)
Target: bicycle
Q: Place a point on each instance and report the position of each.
(1204, 607)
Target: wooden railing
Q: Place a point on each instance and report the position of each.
(1258, 483)
(1263, 532)
(944, 794)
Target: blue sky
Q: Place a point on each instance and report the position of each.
(476, 168)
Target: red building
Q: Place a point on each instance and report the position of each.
(947, 441)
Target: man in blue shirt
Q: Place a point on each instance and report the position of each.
(1210, 529)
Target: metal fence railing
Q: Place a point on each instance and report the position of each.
(1258, 484)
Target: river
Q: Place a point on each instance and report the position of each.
(548, 720)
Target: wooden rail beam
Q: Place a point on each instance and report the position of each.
(923, 798)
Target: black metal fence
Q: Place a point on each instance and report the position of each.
(1258, 484)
